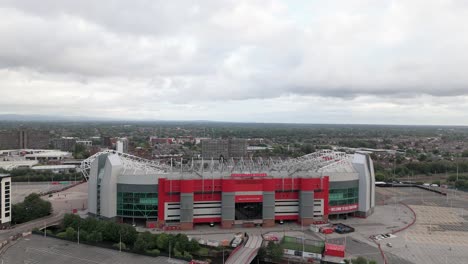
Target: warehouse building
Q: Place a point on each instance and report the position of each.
(308, 189)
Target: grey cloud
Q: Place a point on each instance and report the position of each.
(191, 52)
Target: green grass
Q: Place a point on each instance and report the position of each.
(203, 251)
(307, 248)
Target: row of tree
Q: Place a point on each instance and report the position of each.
(426, 167)
(26, 175)
(126, 237)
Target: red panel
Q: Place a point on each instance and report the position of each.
(268, 185)
(186, 186)
(199, 197)
(207, 185)
(249, 198)
(287, 217)
(172, 186)
(172, 198)
(229, 185)
(334, 250)
(249, 187)
(286, 196)
(161, 198)
(308, 184)
(207, 220)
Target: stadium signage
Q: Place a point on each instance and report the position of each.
(249, 199)
(241, 175)
(343, 208)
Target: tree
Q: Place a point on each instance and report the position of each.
(359, 260)
(31, 208)
(162, 241)
(94, 236)
(71, 220)
(422, 157)
(70, 233)
(274, 251)
(144, 242)
(193, 246)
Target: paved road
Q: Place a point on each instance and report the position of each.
(248, 252)
(39, 250)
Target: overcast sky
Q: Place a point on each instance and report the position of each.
(348, 61)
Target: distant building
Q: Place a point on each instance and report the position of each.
(47, 155)
(65, 143)
(107, 142)
(186, 139)
(9, 140)
(86, 143)
(156, 141)
(122, 145)
(5, 202)
(226, 148)
(24, 138)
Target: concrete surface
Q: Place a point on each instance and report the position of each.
(38, 250)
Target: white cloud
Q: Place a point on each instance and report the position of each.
(357, 61)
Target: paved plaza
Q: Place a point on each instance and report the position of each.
(440, 233)
(22, 189)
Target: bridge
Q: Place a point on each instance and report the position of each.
(246, 253)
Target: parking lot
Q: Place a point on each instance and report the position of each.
(440, 233)
(38, 250)
(22, 189)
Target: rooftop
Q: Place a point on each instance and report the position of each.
(317, 164)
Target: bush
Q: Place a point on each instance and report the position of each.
(154, 252)
(62, 235)
(120, 245)
(70, 233)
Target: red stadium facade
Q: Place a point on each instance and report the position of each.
(308, 189)
(247, 189)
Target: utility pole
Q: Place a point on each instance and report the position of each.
(78, 238)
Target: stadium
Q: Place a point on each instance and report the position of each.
(234, 192)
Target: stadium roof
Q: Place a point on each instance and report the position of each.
(314, 165)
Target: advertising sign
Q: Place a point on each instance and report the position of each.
(243, 175)
(343, 208)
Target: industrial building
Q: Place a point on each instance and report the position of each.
(5, 202)
(223, 148)
(231, 192)
(65, 143)
(24, 138)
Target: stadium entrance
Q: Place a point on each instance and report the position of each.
(248, 211)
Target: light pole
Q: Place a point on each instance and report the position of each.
(169, 249)
(120, 241)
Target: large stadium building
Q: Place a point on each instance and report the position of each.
(308, 189)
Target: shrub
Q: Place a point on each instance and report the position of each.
(154, 252)
(120, 245)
